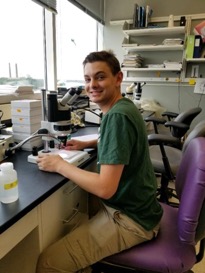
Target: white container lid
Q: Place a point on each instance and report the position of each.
(7, 166)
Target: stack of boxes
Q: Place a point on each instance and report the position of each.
(26, 118)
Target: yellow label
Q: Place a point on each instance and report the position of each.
(192, 81)
(11, 185)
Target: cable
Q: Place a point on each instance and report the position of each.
(179, 95)
(20, 144)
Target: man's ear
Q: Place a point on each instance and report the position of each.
(119, 77)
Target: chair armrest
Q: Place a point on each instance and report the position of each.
(170, 114)
(175, 124)
(155, 120)
(157, 139)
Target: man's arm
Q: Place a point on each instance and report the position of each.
(103, 185)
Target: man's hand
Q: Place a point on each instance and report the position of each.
(75, 144)
(49, 163)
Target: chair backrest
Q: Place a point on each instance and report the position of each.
(188, 116)
(198, 131)
(185, 117)
(190, 187)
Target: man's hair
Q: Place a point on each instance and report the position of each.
(104, 56)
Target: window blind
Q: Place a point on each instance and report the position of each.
(94, 8)
(48, 4)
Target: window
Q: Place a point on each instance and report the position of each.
(77, 35)
(21, 47)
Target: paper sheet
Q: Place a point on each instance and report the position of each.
(200, 86)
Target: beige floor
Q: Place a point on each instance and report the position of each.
(199, 268)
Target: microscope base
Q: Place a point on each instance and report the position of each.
(74, 157)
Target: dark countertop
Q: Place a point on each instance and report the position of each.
(34, 185)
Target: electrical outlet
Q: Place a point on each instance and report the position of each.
(195, 71)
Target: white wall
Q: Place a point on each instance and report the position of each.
(175, 97)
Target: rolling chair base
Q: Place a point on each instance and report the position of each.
(166, 194)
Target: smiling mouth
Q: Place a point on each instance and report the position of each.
(94, 92)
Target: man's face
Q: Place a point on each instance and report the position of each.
(100, 84)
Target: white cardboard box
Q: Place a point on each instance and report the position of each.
(25, 103)
(26, 120)
(22, 111)
(27, 129)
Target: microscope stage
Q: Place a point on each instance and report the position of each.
(74, 157)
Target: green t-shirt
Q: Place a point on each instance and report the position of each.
(123, 140)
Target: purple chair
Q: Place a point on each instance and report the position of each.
(174, 249)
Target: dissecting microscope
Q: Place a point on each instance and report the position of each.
(57, 113)
(56, 127)
(134, 92)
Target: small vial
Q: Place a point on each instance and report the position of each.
(8, 183)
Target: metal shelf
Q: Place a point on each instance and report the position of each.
(159, 19)
(130, 48)
(127, 69)
(196, 60)
(169, 80)
(153, 31)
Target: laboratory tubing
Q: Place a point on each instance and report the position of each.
(8, 183)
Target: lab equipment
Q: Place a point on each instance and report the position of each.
(58, 113)
(58, 127)
(93, 116)
(5, 143)
(134, 92)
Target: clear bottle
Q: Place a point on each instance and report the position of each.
(8, 183)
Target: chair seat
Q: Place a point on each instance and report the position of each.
(173, 154)
(156, 255)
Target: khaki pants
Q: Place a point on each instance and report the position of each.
(108, 232)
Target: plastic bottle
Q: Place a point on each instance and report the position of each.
(8, 183)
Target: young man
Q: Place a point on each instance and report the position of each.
(126, 184)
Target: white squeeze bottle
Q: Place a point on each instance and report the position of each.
(8, 183)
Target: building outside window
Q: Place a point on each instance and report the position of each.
(22, 43)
